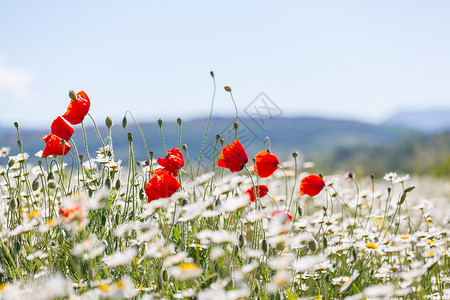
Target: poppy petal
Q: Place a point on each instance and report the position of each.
(261, 191)
(265, 164)
(78, 109)
(53, 146)
(62, 129)
(233, 157)
(311, 185)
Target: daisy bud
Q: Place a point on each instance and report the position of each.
(130, 137)
(160, 122)
(108, 122)
(16, 124)
(184, 147)
(51, 184)
(312, 244)
(217, 137)
(179, 121)
(235, 125)
(227, 88)
(211, 73)
(294, 154)
(124, 122)
(11, 162)
(72, 95)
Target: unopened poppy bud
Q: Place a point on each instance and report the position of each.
(117, 184)
(16, 124)
(294, 154)
(372, 176)
(130, 137)
(211, 73)
(179, 121)
(39, 163)
(227, 88)
(51, 184)
(325, 243)
(217, 137)
(81, 157)
(72, 95)
(241, 241)
(253, 160)
(159, 122)
(19, 143)
(299, 210)
(108, 183)
(35, 184)
(264, 246)
(222, 141)
(11, 162)
(151, 154)
(108, 122)
(235, 125)
(12, 204)
(50, 176)
(63, 142)
(124, 122)
(312, 244)
(184, 147)
(165, 276)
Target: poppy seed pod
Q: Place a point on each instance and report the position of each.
(108, 122)
(227, 88)
(72, 95)
(217, 137)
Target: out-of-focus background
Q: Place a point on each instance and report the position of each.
(357, 86)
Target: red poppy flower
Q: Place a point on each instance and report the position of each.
(65, 213)
(265, 164)
(62, 129)
(311, 185)
(53, 146)
(173, 161)
(78, 109)
(161, 185)
(284, 215)
(233, 157)
(261, 191)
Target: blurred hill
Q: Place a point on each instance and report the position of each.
(332, 144)
(432, 121)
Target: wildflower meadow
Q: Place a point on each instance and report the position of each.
(80, 224)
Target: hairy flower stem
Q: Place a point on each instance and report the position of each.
(140, 130)
(207, 125)
(86, 147)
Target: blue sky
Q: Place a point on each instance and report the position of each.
(362, 60)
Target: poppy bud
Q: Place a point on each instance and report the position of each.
(312, 244)
(179, 121)
(108, 122)
(108, 183)
(81, 157)
(51, 184)
(130, 137)
(124, 122)
(16, 124)
(160, 122)
(117, 184)
(35, 184)
(72, 95)
(165, 276)
(325, 243)
(235, 125)
(241, 241)
(264, 246)
(217, 137)
(19, 143)
(211, 73)
(227, 88)
(299, 210)
(63, 142)
(141, 194)
(151, 154)
(12, 204)
(294, 154)
(372, 176)
(11, 162)
(184, 147)
(222, 141)
(50, 176)
(39, 163)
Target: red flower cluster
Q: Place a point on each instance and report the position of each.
(311, 185)
(259, 190)
(60, 130)
(163, 184)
